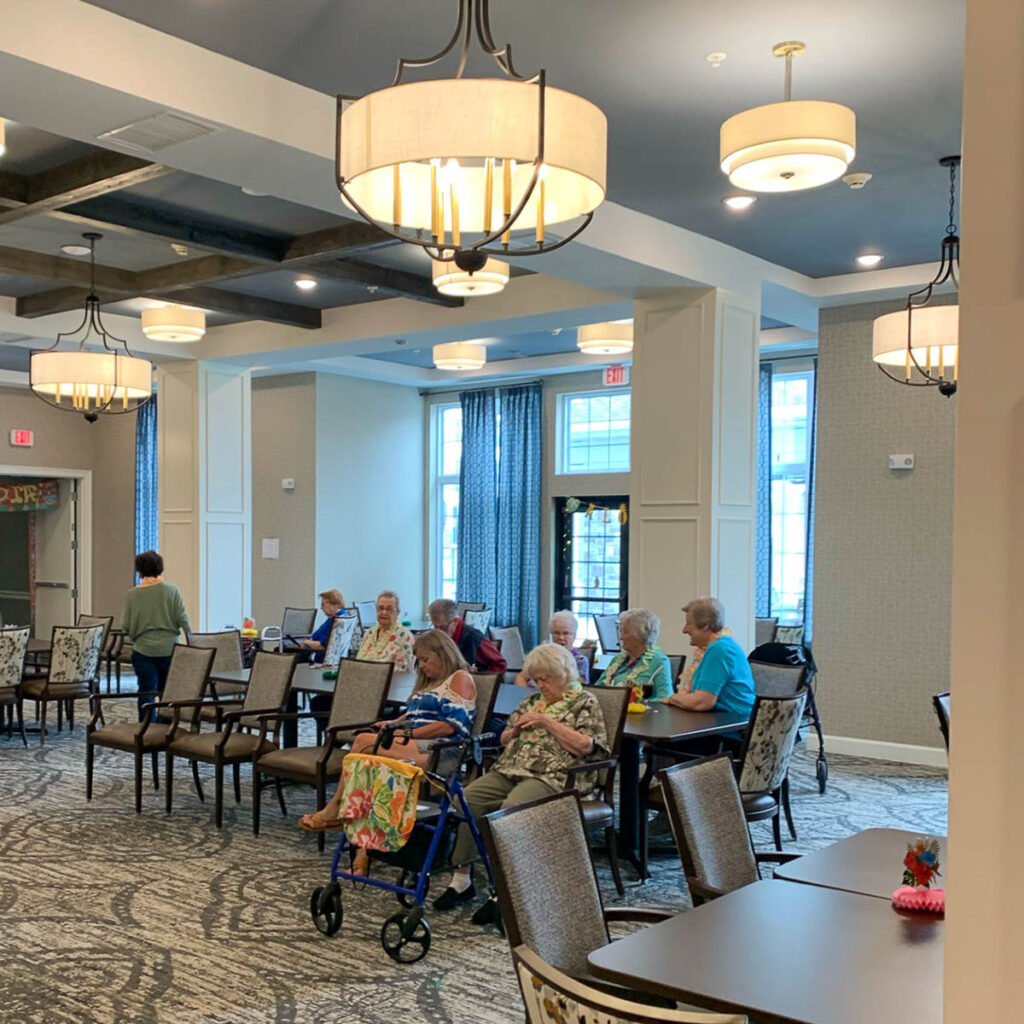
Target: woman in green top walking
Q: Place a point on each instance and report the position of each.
(153, 617)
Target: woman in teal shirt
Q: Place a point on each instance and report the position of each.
(641, 662)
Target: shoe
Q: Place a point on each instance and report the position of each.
(487, 913)
(450, 898)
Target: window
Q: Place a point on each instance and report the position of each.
(593, 432)
(447, 458)
(593, 569)
(792, 395)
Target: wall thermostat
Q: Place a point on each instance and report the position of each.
(287, 484)
(901, 461)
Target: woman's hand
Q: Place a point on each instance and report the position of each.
(521, 680)
(533, 720)
(313, 645)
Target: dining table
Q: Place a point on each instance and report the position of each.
(785, 953)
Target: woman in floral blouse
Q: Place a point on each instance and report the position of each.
(552, 731)
(641, 662)
(388, 640)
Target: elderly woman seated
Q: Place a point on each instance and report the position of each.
(562, 628)
(550, 732)
(641, 662)
(442, 706)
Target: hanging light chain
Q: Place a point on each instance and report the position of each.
(951, 226)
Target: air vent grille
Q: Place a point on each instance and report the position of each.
(158, 132)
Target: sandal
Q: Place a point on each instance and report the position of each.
(319, 822)
(362, 858)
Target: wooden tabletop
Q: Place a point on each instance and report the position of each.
(870, 863)
(798, 954)
(310, 679)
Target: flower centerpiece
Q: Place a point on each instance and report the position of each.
(920, 870)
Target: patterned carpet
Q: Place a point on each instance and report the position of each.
(108, 917)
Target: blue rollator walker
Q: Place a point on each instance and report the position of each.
(405, 936)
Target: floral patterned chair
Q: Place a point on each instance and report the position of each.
(13, 644)
(73, 672)
(551, 997)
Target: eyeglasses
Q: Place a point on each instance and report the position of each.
(387, 608)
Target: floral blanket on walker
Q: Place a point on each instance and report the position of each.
(378, 801)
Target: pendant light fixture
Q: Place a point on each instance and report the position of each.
(606, 339)
(468, 168)
(173, 323)
(788, 146)
(923, 340)
(459, 355)
(488, 280)
(91, 382)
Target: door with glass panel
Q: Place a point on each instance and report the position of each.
(592, 564)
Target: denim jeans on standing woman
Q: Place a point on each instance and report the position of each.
(151, 675)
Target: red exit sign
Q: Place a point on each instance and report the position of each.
(21, 438)
(616, 376)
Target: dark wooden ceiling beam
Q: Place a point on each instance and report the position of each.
(24, 263)
(60, 300)
(89, 176)
(342, 240)
(399, 283)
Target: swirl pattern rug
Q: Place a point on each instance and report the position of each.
(109, 917)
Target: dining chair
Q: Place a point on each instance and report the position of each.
(339, 640)
(941, 704)
(705, 811)
(187, 677)
(677, 665)
(551, 997)
(366, 611)
(358, 701)
(764, 629)
(13, 645)
(461, 607)
(607, 627)
(557, 911)
(511, 646)
(236, 739)
(72, 673)
(229, 658)
(478, 619)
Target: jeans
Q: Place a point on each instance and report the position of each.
(151, 674)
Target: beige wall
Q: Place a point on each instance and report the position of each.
(284, 445)
(107, 447)
(883, 564)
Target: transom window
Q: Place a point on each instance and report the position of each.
(593, 432)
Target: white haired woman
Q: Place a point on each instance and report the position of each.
(562, 627)
(641, 663)
(552, 731)
(389, 640)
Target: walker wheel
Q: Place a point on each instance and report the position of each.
(822, 772)
(325, 908)
(403, 944)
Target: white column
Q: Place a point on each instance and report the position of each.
(693, 477)
(983, 976)
(205, 490)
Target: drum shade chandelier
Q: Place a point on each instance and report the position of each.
(607, 339)
(468, 168)
(925, 340)
(788, 146)
(488, 280)
(91, 382)
(173, 323)
(459, 355)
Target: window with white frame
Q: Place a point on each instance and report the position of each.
(593, 432)
(447, 432)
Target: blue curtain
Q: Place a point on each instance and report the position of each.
(518, 536)
(475, 579)
(812, 465)
(146, 510)
(763, 532)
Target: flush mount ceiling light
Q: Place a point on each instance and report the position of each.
(459, 355)
(468, 168)
(173, 323)
(740, 202)
(606, 339)
(489, 279)
(306, 284)
(788, 146)
(870, 259)
(925, 340)
(75, 249)
(93, 383)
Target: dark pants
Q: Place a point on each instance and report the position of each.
(151, 674)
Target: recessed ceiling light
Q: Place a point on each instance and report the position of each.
(75, 249)
(870, 259)
(715, 58)
(250, 191)
(740, 202)
(306, 283)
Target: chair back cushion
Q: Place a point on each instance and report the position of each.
(360, 692)
(227, 644)
(607, 627)
(13, 645)
(777, 680)
(486, 695)
(339, 640)
(552, 997)
(764, 630)
(479, 619)
(75, 654)
(511, 646)
(106, 621)
(189, 671)
(706, 813)
(793, 634)
(545, 879)
(768, 746)
(367, 614)
(614, 701)
(298, 621)
(269, 683)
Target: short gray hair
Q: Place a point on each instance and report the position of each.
(644, 623)
(551, 660)
(565, 618)
(707, 613)
(442, 606)
(390, 593)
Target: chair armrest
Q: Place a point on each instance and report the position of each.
(609, 764)
(260, 713)
(643, 915)
(776, 857)
(294, 716)
(95, 698)
(357, 726)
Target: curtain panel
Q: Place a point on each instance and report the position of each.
(146, 506)
(477, 561)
